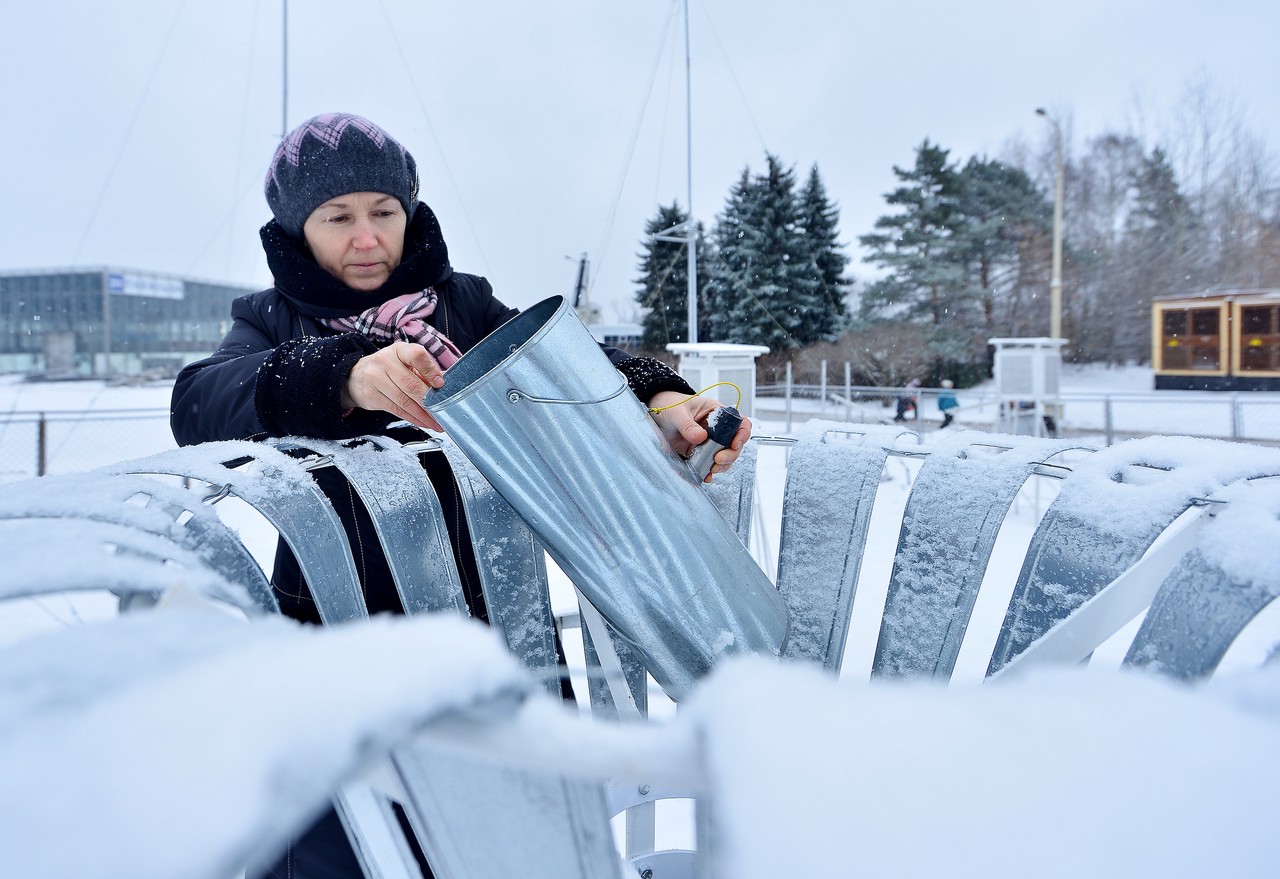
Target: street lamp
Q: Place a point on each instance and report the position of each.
(1055, 283)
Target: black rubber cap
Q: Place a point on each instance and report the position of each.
(722, 424)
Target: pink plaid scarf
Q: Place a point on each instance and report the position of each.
(404, 317)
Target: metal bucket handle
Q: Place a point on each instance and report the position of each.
(515, 395)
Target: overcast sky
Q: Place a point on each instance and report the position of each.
(137, 133)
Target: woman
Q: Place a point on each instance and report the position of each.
(365, 315)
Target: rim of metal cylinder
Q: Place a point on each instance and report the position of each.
(468, 374)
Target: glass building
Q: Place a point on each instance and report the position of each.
(63, 323)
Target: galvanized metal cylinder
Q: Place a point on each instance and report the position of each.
(543, 414)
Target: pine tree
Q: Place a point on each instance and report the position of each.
(764, 287)
(819, 220)
(919, 247)
(1000, 211)
(664, 282)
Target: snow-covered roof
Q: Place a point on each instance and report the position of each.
(1229, 295)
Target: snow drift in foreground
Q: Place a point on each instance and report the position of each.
(185, 743)
(180, 744)
(1062, 774)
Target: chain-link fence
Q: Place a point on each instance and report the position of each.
(1251, 417)
(36, 443)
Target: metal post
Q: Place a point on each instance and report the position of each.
(284, 69)
(1055, 283)
(848, 392)
(42, 446)
(1237, 417)
(822, 407)
(693, 226)
(788, 396)
(106, 327)
(1108, 420)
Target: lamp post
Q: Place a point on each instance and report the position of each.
(1055, 283)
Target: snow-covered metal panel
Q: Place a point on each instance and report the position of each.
(1111, 509)
(826, 508)
(147, 505)
(482, 819)
(513, 570)
(104, 555)
(954, 512)
(279, 488)
(733, 493)
(406, 515)
(1220, 586)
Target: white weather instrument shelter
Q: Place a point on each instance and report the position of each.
(1027, 375)
(703, 364)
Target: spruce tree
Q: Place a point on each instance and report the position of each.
(764, 286)
(819, 220)
(731, 261)
(664, 282)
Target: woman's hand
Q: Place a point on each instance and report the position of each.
(395, 379)
(684, 427)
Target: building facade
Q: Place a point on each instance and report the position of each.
(107, 322)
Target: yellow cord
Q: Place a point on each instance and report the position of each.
(653, 411)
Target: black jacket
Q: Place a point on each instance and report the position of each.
(230, 395)
(280, 372)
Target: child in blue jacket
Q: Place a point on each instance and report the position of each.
(947, 402)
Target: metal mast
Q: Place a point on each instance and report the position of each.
(284, 70)
(687, 232)
(692, 228)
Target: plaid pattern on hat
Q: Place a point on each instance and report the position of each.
(334, 154)
(405, 318)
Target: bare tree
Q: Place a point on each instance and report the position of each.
(880, 355)
(1231, 179)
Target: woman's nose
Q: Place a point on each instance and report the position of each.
(363, 236)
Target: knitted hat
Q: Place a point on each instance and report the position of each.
(331, 155)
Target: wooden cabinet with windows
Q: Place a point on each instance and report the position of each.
(1259, 352)
(1217, 340)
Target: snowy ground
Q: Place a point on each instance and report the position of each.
(1068, 774)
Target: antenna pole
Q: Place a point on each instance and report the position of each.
(692, 228)
(284, 70)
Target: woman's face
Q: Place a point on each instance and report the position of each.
(358, 237)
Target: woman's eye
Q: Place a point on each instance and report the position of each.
(340, 218)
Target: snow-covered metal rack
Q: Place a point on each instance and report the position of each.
(1187, 527)
(1092, 541)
